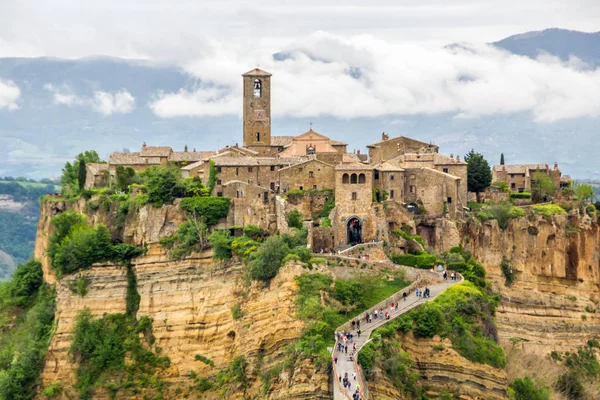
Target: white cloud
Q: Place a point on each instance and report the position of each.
(121, 102)
(363, 76)
(9, 94)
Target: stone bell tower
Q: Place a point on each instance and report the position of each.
(257, 110)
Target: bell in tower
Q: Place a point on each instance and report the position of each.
(257, 88)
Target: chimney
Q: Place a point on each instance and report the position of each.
(457, 158)
(555, 165)
(194, 149)
(185, 148)
(144, 145)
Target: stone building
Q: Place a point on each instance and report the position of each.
(521, 177)
(307, 175)
(96, 175)
(398, 173)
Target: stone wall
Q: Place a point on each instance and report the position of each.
(433, 188)
(322, 238)
(309, 203)
(250, 204)
(308, 175)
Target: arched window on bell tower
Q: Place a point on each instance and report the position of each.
(257, 88)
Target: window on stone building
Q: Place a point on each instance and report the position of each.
(237, 171)
(354, 196)
(449, 200)
(258, 136)
(353, 178)
(301, 187)
(513, 185)
(272, 186)
(376, 175)
(219, 194)
(311, 174)
(272, 168)
(249, 169)
(345, 178)
(218, 181)
(361, 178)
(391, 194)
(314, 186)
(413, 189)
(445, 169)
(391, 177)
(218, 169)
(300, 169)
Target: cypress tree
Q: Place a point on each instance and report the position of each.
(81, 175)
(501, 158)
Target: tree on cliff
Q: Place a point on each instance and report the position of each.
(501, 158)
(478, 171)
(584, 192)
(81, 175)
(70, 172)
(543, 186)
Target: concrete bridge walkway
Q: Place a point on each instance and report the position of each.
(347, 362)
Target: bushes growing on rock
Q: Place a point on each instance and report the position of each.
(294, 219)
(525, 389)
(423, 260)
(500, 212)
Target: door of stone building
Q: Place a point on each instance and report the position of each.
(354, 231)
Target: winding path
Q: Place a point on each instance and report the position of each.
(347, 363)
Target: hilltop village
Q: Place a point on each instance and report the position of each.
(399, 171)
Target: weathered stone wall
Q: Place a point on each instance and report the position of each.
(394, 147)
(433, 188)
(250, 204)
(458, 170)
(391, 185)
(309, 203)
(257, 111)
(322, 238)
(309, 175)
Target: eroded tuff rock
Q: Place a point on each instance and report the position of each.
(553, 302)
(443, 370)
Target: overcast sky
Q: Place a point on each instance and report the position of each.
(364, 59)
(178, 30)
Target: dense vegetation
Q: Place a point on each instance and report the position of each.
(479, 173)
(463, 313)
(526, 389)
(26, 327)
(325, 304)
(76, 245)
(582, 367)
(100, 347)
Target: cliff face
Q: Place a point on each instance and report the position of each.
(553, 302)
(191, 304)
(441, 369)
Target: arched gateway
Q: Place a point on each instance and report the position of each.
(354, 231)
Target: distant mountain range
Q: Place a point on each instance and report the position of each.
(67, 106)
(561, 43)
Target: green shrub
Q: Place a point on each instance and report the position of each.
(525, 389)
(508, 270)
(326, 222)
(254, 232)
(427, 318)
(221, 243)
(269, 258)
(208, 209)
(520, 195)
(244, 247)
(366, 356)
(294, 219)
(236, 312)
(406, 236)
(52, 390)
(79, 286)
(26, 281)
(162, 184)
(548, 210)
(205, 360)
(500, 212)
(424, 260)
(100, 345)
(570, 385)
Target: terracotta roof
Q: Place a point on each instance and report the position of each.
(191, 166)
(520, 168)
(338, 143)
(353, 166)
(131, 159)
(401, 137)
(440, 159)
(257, 72)
(254, 161)
(281, 140)
(155, 151)
(97, 168)
(351, 158)
(306, 161)
(388, 166)
(190, 155)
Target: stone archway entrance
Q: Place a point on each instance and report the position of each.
(354, 231)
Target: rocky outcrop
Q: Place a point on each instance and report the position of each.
(190, 302)
(553, 302)
(441, 369)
